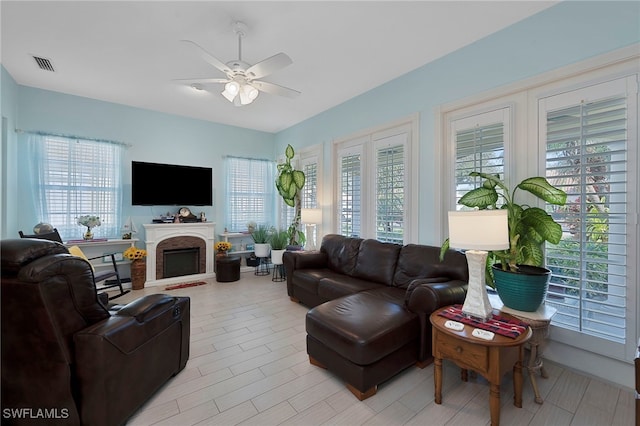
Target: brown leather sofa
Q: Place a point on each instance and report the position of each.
(371, 303)
(65, 358)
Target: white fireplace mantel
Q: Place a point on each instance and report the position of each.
(155, 233)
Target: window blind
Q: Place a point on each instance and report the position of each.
(586, 156)
(250, 192)
(390, 184)
(76, 177)
(350, 196)
(481, 149)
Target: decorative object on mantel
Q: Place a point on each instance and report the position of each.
(90, 222)
(138, 266)
(222, 247)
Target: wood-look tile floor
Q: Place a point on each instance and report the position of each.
(248, 365)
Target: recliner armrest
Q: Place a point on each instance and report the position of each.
(147, 307)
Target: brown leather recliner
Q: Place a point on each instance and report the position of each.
(65, 358)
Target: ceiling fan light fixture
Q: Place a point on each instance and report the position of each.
(231, 90)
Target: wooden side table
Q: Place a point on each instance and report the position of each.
(489, 358)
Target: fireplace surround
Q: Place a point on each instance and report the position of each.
(160, 236)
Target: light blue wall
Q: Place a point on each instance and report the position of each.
(558, 36)
(8, 166)
(153, 136)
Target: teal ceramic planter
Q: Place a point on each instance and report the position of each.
(524, 290)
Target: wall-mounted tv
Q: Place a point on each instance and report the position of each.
(154, 184)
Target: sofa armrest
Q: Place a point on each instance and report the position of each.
(430, 294)
(293, 260)
(426, 295)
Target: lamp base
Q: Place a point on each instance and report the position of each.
(477, 304)
(310, 238)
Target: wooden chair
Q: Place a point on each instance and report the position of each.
(106, 279)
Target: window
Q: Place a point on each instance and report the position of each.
(585, 120)
(75, 177)
(375, 184)
(586, 137)
(250, 192)
(479, 143)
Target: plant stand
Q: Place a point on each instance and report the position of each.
(278, 273)
(263, 267)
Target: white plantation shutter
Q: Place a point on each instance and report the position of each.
(350, 196)
(479, 146)
(250, 192)
(586, 135)
(75, 177)
(390, 188)
(310, 189)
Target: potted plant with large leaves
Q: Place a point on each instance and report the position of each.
(517, 273)
(289, 183)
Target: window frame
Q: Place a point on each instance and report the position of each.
(364, 142)
(524, 95)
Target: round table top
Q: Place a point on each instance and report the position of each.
(438, 322)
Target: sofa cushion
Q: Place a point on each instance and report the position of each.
(377, 261)
(330, 288)
(342, 252)
(362, 328)
(419, 261)
(308, 279)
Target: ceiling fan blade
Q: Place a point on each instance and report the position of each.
(202, 80)
(269, 66)
(208, 57)
(275, 89)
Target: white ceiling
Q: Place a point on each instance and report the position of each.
(129, 52)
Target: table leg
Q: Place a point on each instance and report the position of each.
(517, 382)
(534, 364)
(494, 403)
(437, 379)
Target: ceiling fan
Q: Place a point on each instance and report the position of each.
(241, 87)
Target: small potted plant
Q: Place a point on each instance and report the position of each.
(90, 222)
(222, 247)
(517, 273)
(138, 266)
(278, 241)
(260, 237)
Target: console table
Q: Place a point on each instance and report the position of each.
(97, 248)
(489, 358)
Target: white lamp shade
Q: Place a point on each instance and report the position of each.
(311, 216)
(479, 230)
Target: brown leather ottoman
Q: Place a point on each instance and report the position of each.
(363, 338)
(227, 268)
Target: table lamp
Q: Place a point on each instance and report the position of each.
(478, 231)
(310, 217)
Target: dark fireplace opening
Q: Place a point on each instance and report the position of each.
(179, 262)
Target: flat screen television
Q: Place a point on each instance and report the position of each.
(154, 184)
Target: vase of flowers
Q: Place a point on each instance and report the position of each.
(90, 222)
(222, 248)
(138, 266)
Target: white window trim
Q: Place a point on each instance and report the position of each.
(612, 65)
(411, 196)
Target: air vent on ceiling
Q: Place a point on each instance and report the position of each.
(44, 64)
